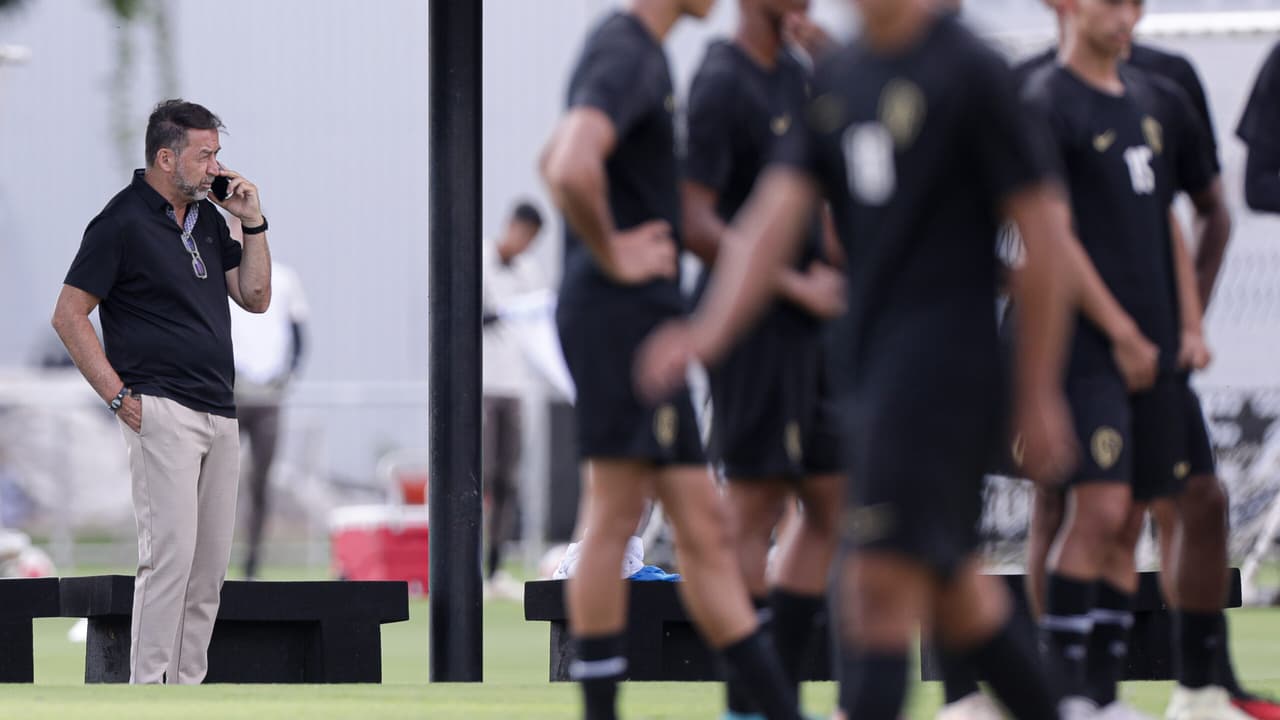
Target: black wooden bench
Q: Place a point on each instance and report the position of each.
(662, 644)
(21, 601)
(266, 632)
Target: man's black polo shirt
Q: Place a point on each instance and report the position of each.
(166, 331)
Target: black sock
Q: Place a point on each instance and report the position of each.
(599, 665)
(959, 679)
(737, 693)
(1064, 630)
(756, 664)
(1008, 663)
(1196, 647)
(1109, 642)
(873, 686)
(797, 620)
(1224, 670)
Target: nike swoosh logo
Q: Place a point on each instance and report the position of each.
(1103, 142)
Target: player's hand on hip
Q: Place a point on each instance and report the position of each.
(1045, 445)
(242, 201)
(827, 295)
(1138, 360)
(131, 412)
(643, 253)
(662, 361)
(1194, 353)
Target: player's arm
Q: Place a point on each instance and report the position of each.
(1213, 231)
(702, 225)
(1193, 353)
(1136, 357)
(763, 239)
(573, 167)
(1262, 178)
(1045, 297)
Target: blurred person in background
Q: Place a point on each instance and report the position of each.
(268, 352)
(1260, 130)
(159, 262)
(507, 272)
(612, 169)
(774, 434)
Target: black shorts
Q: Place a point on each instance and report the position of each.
(774, 415)
(599, 345)
(918, 474)
(1200, 453)
(1139, 439)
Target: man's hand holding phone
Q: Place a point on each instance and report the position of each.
(237, 196)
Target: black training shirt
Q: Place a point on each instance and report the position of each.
(738, 109)
(166, 332)
(916, 152)
(623, 73)
(1171, 66)
(1124, 157)
(1260, 125)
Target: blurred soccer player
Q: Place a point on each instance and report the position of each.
(917, 140)
(611, 168)
(1260, 130)
(774, 430)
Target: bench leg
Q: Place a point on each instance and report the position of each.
(16, 665)
(346, 651)
(106, 654)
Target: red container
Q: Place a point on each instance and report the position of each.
(381, 542)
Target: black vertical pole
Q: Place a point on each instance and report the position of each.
(454, 315)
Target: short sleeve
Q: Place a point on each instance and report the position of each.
(617, 83)
(1012, 142)
(231, 250)
(1189, 80)
(96, 266)
(1195, 165)
(709, 157)
(1260, 124)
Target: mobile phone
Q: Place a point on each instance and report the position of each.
(220, 189)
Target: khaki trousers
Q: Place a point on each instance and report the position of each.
(185, 467)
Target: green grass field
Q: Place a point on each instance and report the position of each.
(515, 686)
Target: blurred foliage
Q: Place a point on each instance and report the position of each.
(126, 9)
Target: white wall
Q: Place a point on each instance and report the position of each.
(326, 105)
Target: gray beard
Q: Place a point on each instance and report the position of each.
(192, 192)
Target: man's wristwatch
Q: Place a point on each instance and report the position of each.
(118, 400)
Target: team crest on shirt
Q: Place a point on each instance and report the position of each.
(669, 103)
(1182, 470)
(902, 109)
(1154, 132)
(665, 424)
(867, 524)
(826, 112)
(1106, 446)
(791, 441)
(781, 124)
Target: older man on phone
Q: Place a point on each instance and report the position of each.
(159, 263)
